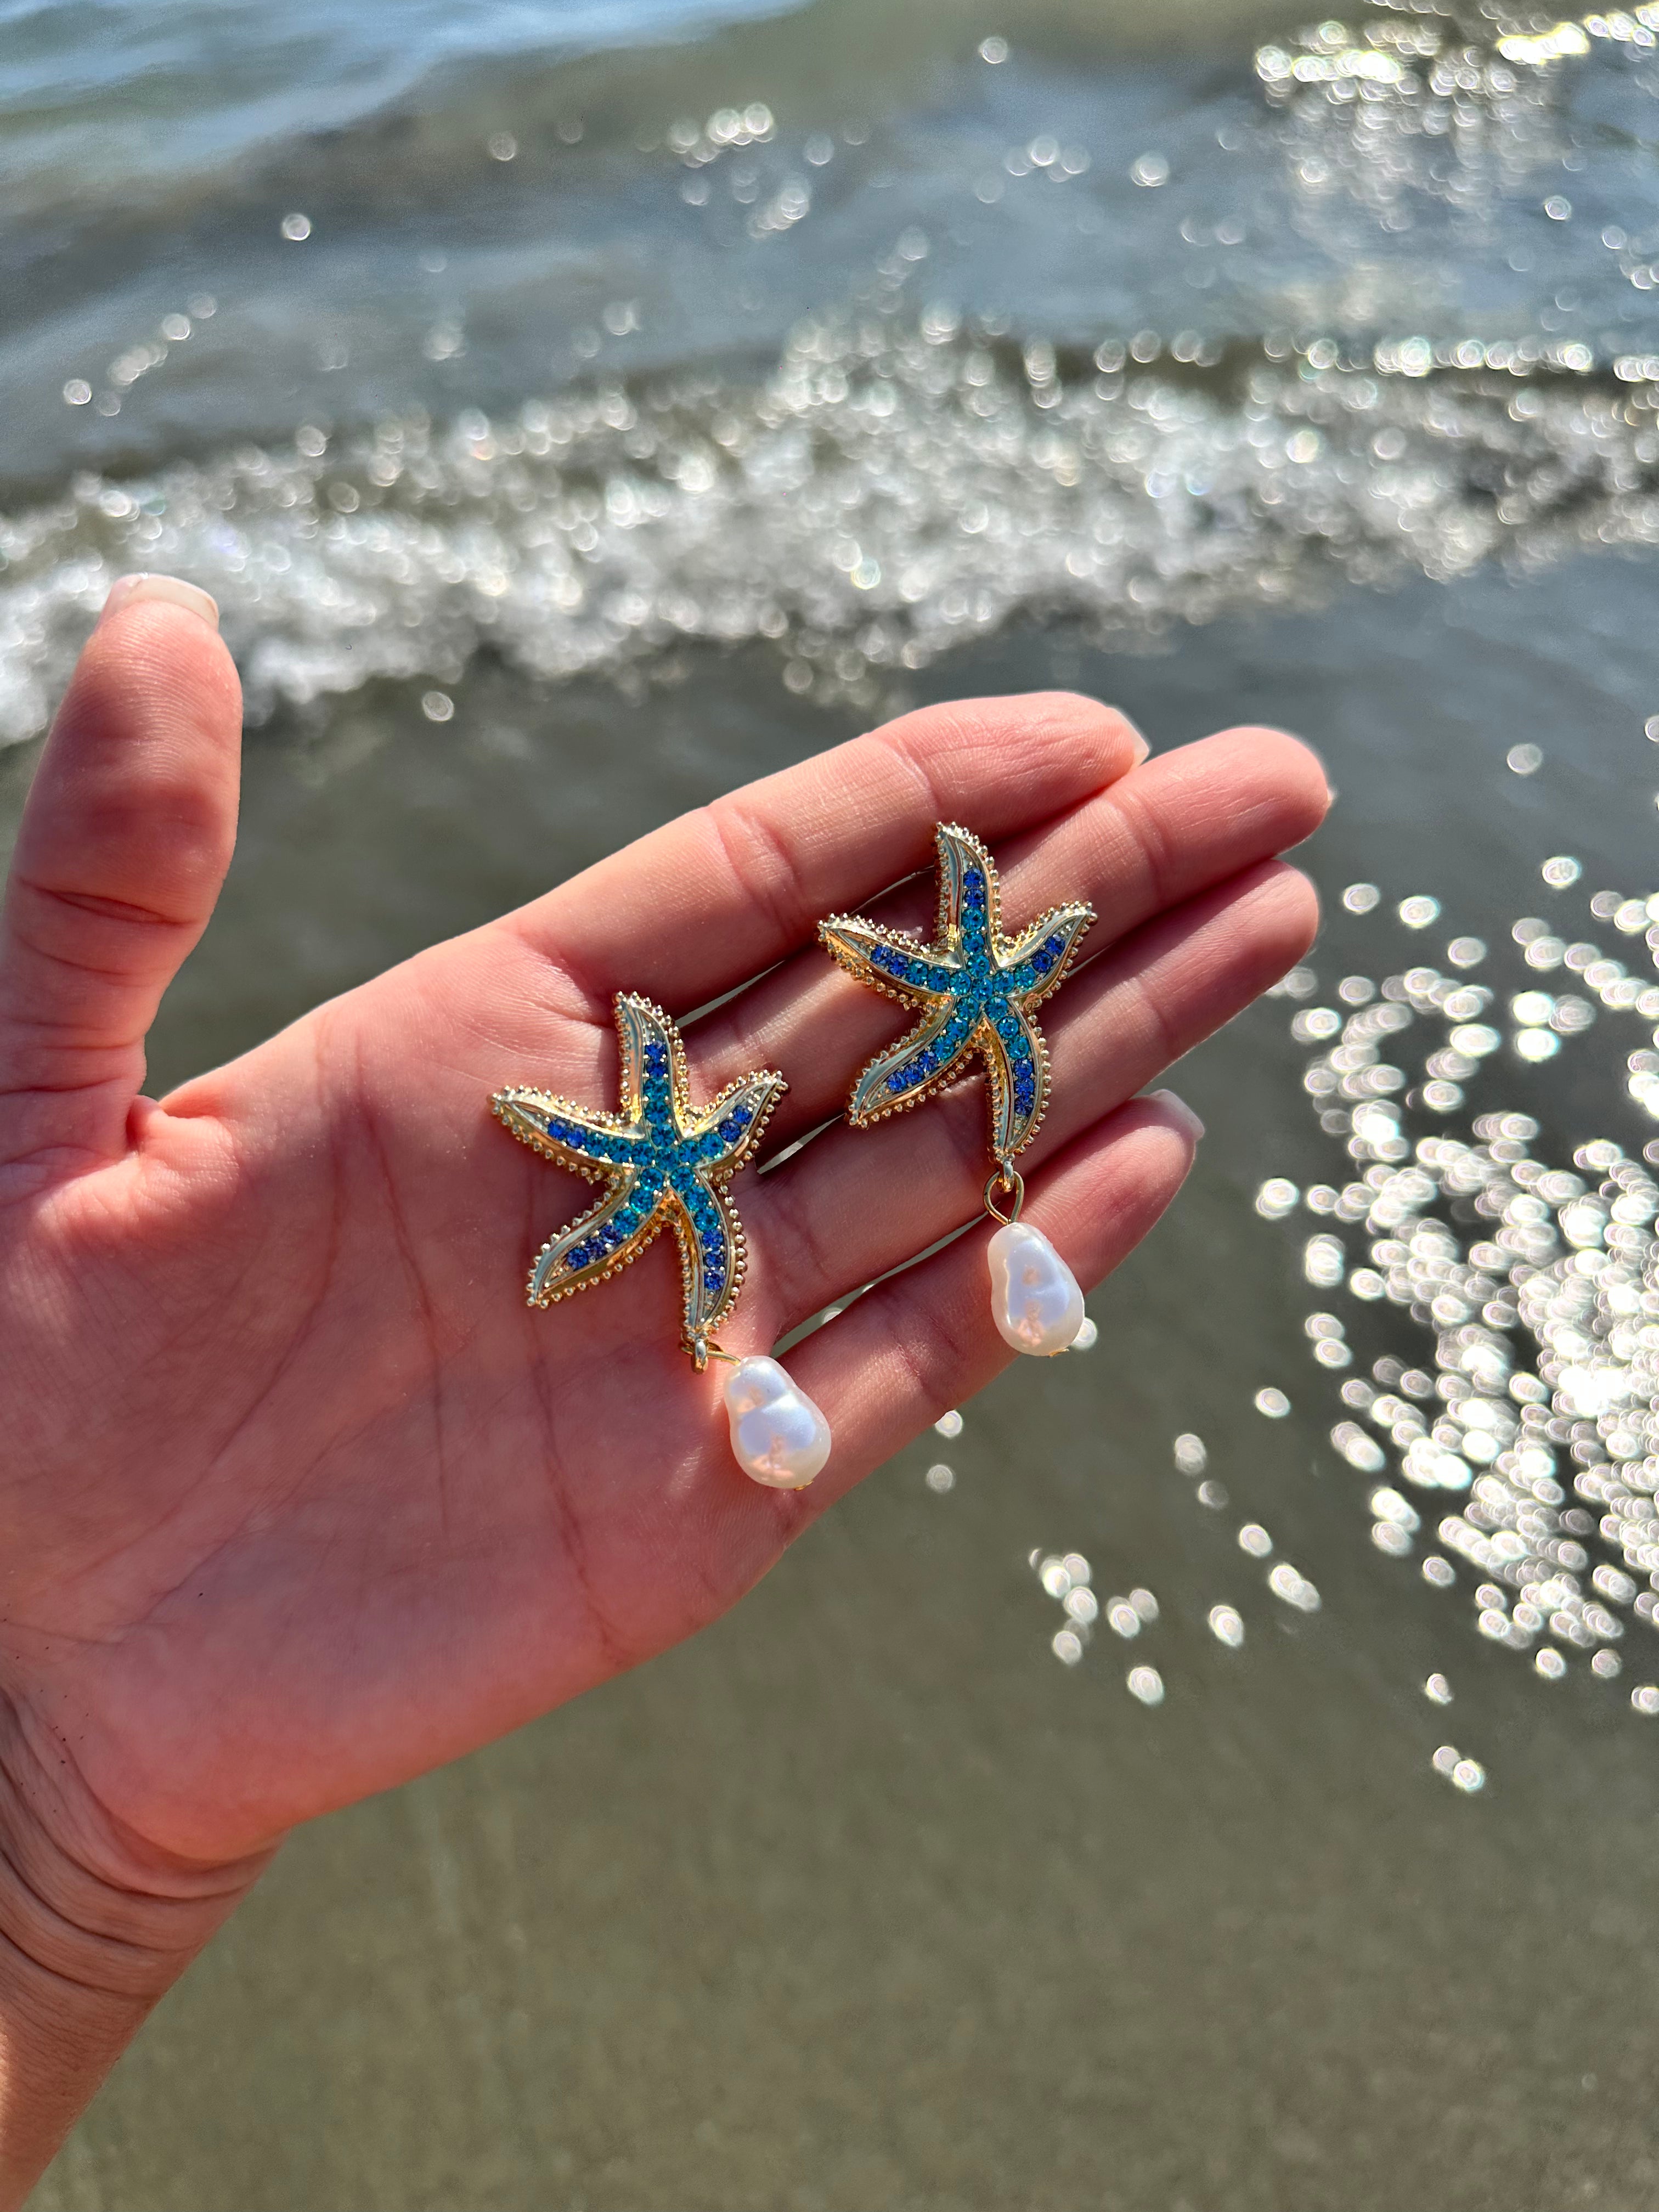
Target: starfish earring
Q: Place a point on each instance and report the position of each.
(666, 1164)
(977, 992)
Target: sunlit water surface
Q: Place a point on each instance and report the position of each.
(1218, 1772)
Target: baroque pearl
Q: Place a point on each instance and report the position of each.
(779, 1436)
(1034, 1299)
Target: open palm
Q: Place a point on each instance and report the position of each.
(299, 1497)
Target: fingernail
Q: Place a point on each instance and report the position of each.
(128, 590)
(1174, 1105)
(1143, 748)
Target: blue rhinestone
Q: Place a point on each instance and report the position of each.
(896, 1082)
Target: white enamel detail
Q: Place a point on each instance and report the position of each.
(779, 1436)
(1034, 1299)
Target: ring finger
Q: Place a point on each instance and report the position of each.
(856, 1204)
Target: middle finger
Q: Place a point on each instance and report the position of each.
(1170, 830)
(858, 1203)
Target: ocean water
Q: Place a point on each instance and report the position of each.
(1222, 1774)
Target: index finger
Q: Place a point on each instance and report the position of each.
(709, 901)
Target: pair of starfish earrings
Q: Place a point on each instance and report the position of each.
(666, 1163)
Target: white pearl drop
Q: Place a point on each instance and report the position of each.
(1034, 1299)
(779, 1437)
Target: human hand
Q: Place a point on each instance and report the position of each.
(299, 1498)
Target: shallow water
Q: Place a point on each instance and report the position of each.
(548, 492)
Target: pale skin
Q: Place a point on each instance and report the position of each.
(298, 1499)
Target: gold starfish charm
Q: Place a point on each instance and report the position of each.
(666, 1163)
(977, 989)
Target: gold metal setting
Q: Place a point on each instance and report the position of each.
(666, 1164)
(978, 990)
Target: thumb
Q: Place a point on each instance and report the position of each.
(123, 847)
